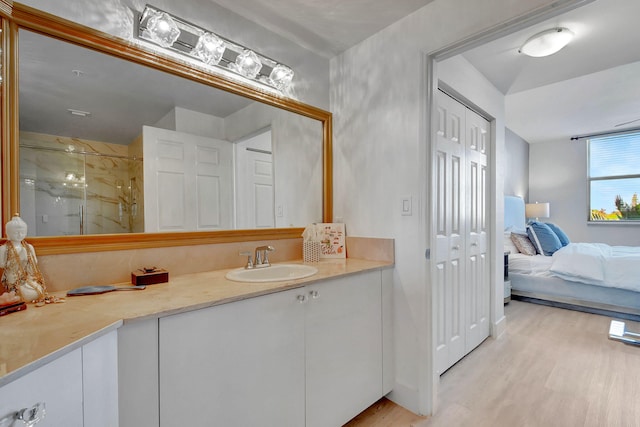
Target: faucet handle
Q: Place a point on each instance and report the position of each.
(248, 255)
(265, 258)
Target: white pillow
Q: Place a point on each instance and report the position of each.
(508, 243)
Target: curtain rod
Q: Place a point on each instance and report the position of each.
(576, 138)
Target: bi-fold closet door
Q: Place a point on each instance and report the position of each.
(460, 256)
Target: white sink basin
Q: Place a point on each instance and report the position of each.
(273, 273)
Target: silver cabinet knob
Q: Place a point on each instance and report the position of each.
(301, 298)
(455, 247)
(314, 294)
(474, 244)
(31, 416)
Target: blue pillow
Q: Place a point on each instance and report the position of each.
(564, 239)
(543, 238)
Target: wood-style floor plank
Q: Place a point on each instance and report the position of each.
(552, 367)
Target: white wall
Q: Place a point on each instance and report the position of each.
(297, 152)
(516, 162)
(380, 151)
(558, 175)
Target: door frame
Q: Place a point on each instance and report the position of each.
(428, 379)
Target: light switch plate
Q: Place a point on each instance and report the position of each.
(407, 209)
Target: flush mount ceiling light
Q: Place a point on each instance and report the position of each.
(178, 35)
(547, 42)
(79, 113)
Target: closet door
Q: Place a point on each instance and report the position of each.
(448, 255)
(461, 268)
(477, 266)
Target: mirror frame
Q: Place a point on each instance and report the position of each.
(23, 16)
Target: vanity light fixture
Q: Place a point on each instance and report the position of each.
(547, 42)
(209, 49)
(161, 28)
(281, 76)
(178, 35)
(247, 63)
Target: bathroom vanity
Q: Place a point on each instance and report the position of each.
(203, 350)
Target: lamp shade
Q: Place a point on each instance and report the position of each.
(536, 210)
(547, 42)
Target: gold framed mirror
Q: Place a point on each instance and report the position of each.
(24, 18)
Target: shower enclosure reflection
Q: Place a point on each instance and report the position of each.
(71, 187)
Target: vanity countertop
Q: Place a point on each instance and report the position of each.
(34, 337)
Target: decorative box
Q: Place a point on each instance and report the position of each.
(149, 276)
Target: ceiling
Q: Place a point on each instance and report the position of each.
(590, 86)
(327, 27)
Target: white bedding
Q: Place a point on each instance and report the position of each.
(537, 265)
(598, 264)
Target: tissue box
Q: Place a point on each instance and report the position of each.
(311, 251)
(149, 276)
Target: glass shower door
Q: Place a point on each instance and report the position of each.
(52, 191)
(64, 192)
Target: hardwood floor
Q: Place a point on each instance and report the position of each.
(552, 367)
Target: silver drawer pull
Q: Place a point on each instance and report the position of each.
(301, 298)
(314, 294)
(455, 247)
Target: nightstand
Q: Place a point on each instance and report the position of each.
(507, 282)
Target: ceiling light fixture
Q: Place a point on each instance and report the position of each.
(78, 112)
(178, 35)
(547, 42)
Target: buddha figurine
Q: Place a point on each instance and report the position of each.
(18, 259)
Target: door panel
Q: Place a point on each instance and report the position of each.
(449, 249)
(461, 275)
(187, 181)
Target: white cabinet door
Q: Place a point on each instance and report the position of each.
(138, 374)
(343, 348)
(100, 381)
(58, 384)
(237, 364)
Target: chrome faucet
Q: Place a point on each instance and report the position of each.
(260, 258)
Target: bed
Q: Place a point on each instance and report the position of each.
(595, 278)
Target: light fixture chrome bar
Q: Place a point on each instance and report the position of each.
(170, 32)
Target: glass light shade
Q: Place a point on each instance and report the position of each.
(547, 42)
(248, 64)
(162, 29)
(536, 210)
(281, 76)
(209, 49)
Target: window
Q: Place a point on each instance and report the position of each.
(614, 177)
